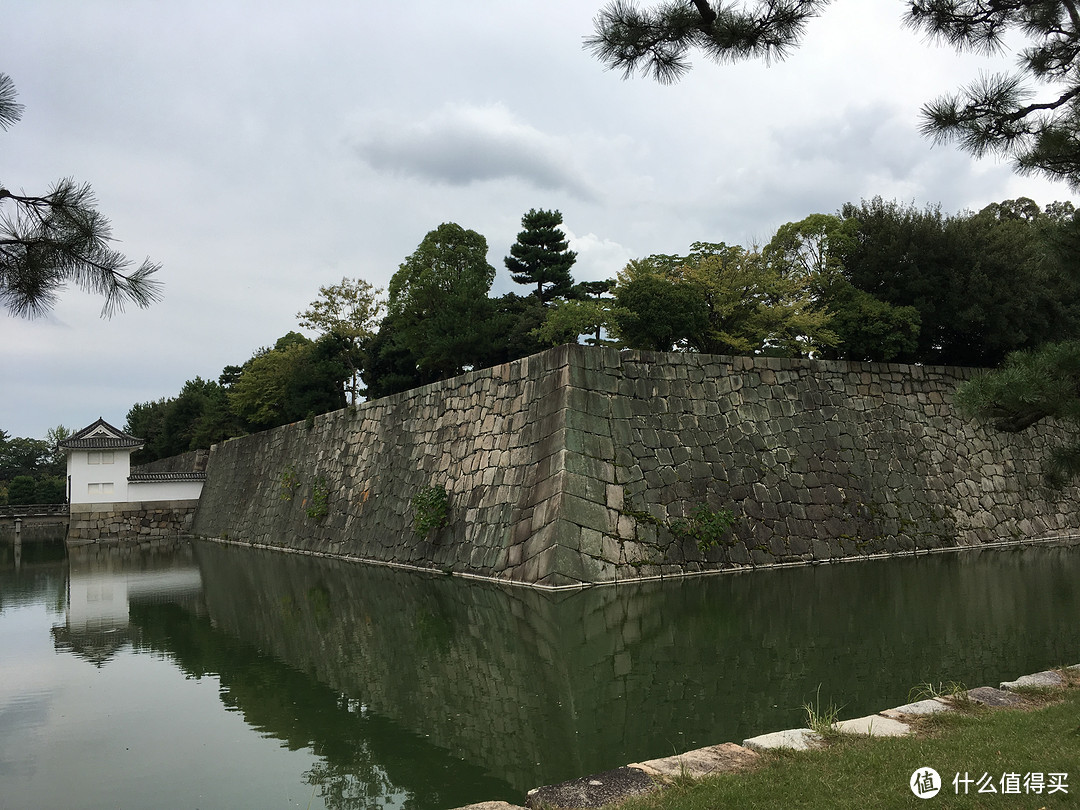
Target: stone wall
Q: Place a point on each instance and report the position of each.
(493, 438)
(104, 522)
(191, 461)
(573, 466)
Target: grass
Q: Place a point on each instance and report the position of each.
(860, 772)
(953, 691)
(822, 719)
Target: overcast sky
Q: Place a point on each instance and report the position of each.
(259, 150)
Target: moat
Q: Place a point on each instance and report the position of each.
(198, 674)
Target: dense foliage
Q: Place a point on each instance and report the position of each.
(33, 471)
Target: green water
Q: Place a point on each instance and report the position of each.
(201, 675)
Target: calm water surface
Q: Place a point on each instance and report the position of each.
(204, 676)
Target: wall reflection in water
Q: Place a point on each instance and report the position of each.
(537, 687)
(432, 692)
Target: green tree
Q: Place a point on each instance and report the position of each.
(57, 463)
(659, 314)
(1031, 386)
(390, 366)
(22, 489)
(439, 301)
(996, 114)
(752, 305)
(195, 419)
(21, 456)
(590, 311)
(50, 489)
(984, 284)
(60, 238)
(350, 310)
(866, 328)
(541, 256)
(513, 328)
(295, 379)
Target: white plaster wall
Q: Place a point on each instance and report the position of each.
(164, 490)
(81, 474)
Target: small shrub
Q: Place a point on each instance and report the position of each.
(289, 483)
(318, 508)
(431, 507)
(704, 526)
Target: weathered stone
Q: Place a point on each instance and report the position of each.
(1045, 679)
(874, 725)
(593, 791)
(697, 764)
(917, 709)
(798, 739)
(830, 460)
(989, 696)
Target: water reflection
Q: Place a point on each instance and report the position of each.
(430, 692)
(105, 582)
(536, 687)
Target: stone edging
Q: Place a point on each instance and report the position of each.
(643, 777)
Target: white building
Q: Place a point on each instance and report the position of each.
(99, 463)
(104, 492)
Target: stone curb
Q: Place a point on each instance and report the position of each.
(644, 777)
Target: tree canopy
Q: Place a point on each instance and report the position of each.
(48, 241)
(1003, 114)
(750, 305)
(984, 284)
(349, 311)
(33, 470)
(438, 300)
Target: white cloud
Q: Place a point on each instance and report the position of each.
(461, 144)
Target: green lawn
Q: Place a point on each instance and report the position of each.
(875, 773)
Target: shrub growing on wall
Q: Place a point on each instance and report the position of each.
(431, 507)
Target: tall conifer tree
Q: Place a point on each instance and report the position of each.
(541, 256)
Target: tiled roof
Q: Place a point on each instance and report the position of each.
(166, 476)
(100, 435)
(104, 442)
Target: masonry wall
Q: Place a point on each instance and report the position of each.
(493, 438)
(575, 465)
(124, 522)
(191, 461)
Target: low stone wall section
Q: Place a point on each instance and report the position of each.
(578, 465)
(102, 522)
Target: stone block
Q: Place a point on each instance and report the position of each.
(697, 764)
(1040, 680)
(874, 725)
(797, 739)
(597, 790)
(989, 696)
(586, 513)
(918, 709)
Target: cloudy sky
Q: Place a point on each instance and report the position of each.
(260, 149)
